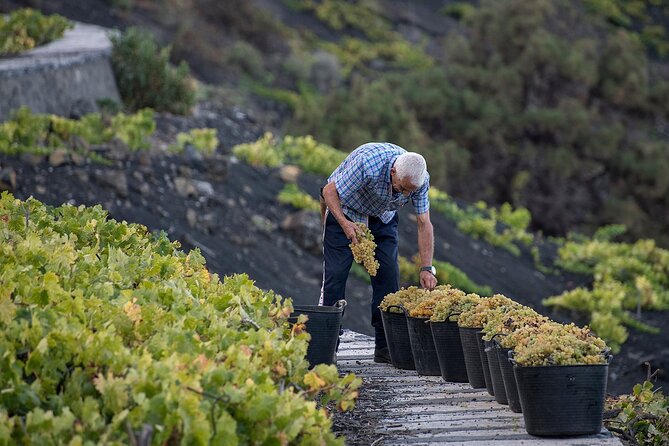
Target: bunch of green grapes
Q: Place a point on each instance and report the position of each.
(425, 307)
(406, 297)
(453, 303)
(504, 320)
(363, 251)
(559, 344)
(478, 316)
(522, 334)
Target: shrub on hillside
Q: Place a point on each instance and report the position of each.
(204, 141)
(246, 21)
(43, 134)
(26, 28)
(248, 59)
(145, 77)
(292, 195)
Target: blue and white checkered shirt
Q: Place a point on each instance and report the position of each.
(364, 187)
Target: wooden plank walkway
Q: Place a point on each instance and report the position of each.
(425, 410)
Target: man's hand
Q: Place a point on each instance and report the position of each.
(351, 230)
(427, 280)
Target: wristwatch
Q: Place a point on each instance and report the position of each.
(430, 268)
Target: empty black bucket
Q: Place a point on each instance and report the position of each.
(484, 363)
(470, 350)
(447, 342)
(422, 346)
(495, 372)
(562, 400)
(397, 337)
(323, 325)
(509, 378)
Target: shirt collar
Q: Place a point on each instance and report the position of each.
(388, 179)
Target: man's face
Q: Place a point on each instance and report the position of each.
(403, 185)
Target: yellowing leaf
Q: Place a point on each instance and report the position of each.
(314, 381)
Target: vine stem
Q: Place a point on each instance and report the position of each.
(217, 399)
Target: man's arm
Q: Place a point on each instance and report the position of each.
(426, 249)
(331, 198)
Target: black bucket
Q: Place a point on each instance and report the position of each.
(484, 363)
(422, 346)
(447, 342)
(323, 325)
(397, 337)
(470, 350)
(562, 400)
(509, 378)
(495, 372)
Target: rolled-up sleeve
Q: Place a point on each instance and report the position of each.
(420, 200)
(351, 178)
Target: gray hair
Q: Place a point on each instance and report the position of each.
(412, 166)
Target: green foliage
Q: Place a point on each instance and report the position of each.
(408, 271)
(360, 272)
(642, 267)
(303, 151)
(244, 20)
(356, 54)
(311, 155)
(145, 77)
(627, 277)
(623, 71)
(362, 15)
(39, 134)
(449, 274)
(483, 222)
(133, 130)
(609, 233)
(261, 153)
(204, 141)
(27, 28)
(642, 416)
(292, 195)
(645, 18)
(280, 95)
(107, 330)
(249, 60)
(459, 10)
(366, 111)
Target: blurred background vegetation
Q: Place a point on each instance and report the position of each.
(557, 106)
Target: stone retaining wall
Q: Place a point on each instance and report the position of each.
(65, 77)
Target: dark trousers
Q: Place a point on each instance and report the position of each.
(337, 260)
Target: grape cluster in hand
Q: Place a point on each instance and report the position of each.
(363, 251)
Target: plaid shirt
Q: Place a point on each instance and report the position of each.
(364, 187)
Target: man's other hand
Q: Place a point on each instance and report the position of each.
(427, 280)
